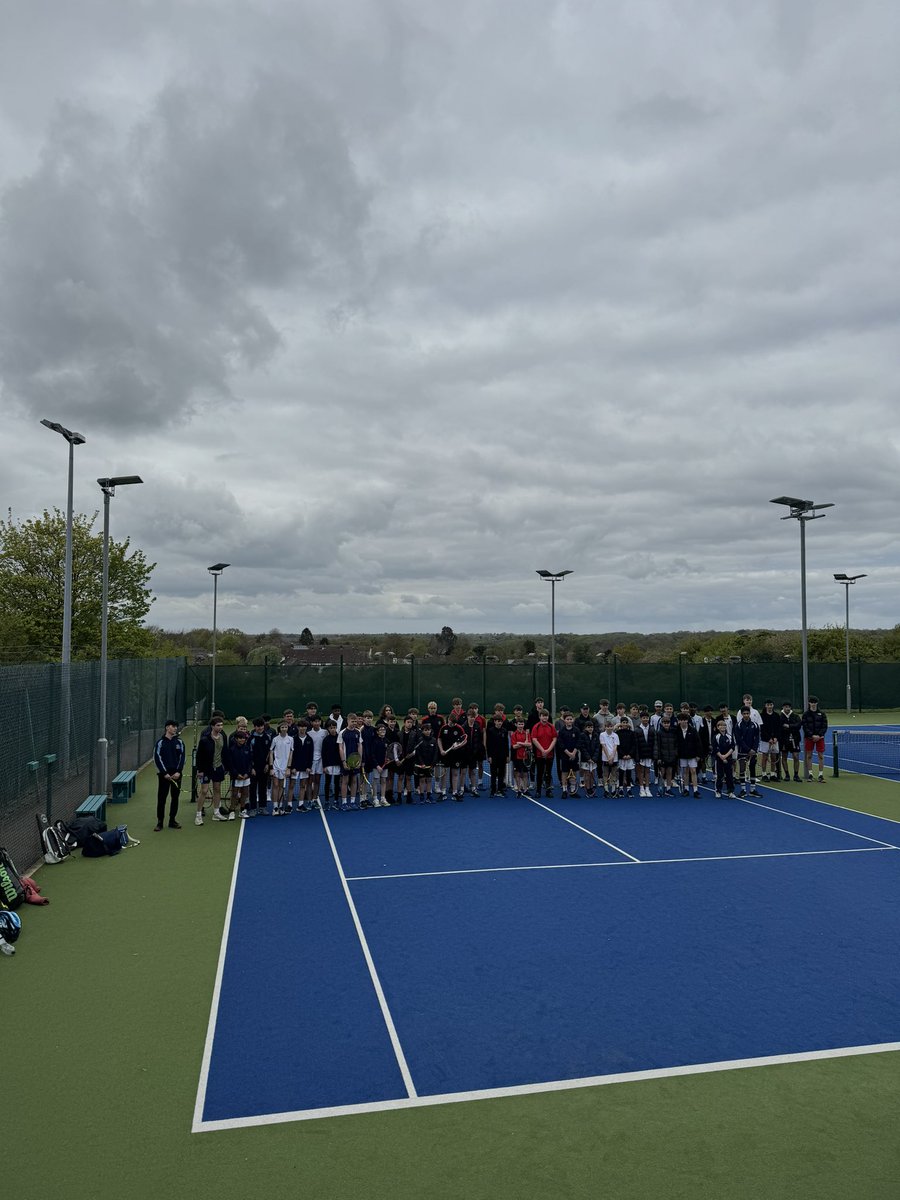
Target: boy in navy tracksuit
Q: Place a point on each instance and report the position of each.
(746, 740)
(169, 759)
(260, 745)
(240, 764)
(723, 750)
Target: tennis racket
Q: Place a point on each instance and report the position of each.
(354, 762)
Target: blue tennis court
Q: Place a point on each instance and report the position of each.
(866, 750)
(419, 955)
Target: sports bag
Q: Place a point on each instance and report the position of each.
(12, 890)
(98, 845)
(56, 842)
(10, 928)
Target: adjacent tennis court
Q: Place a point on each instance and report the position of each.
(424, 955)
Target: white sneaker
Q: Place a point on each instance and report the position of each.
(6, 947)
(244, 814)
(231, 816)
(217, 816)
(198, 820)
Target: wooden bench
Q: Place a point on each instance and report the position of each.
(94, 806)
(123, 787)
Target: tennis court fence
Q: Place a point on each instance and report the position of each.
(49, 755)
(250, 690)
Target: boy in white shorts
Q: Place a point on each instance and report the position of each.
(280, 766)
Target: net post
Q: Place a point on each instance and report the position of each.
(835, 764)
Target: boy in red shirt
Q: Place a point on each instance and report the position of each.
(543, 739)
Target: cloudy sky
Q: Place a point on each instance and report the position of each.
(393, 302)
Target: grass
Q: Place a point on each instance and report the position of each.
(106, 1006)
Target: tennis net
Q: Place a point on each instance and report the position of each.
(867, 752)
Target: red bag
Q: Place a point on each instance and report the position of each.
(32, 892)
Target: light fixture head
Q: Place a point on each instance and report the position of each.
(217, 568)
(74, 439)
(118, 480)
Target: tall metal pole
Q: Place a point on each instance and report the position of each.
(553, 577)
(553, 649)
(74, 439)
(108, 487)
(212, 706)
(804, 651)
(215, 570)
(104, 627)
(845, 581)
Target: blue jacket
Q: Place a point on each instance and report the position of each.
(746, 736)
(239, 758)
(169, 755)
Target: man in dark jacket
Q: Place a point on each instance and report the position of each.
(815, 725)
(212, 753)
(746, 740)
(687, 739)
(169, 759)
(789, 740)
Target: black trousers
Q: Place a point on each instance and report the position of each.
(258, 787)
(166, 788)
(544, 772)
(498, 774)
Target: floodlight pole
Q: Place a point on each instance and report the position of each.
(74, 439)
(846, 581)
(215, 570)
(108, 487)
(553, 578)
(802, 511)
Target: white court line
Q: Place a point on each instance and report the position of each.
(836, 828)
(856, 812)
(597, 836)
(635, 862)
(558, 1085)
(376, 982)
(217, 988)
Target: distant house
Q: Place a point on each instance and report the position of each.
(325, 656)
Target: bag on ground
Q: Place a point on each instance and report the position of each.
(12, 890)
(56, 842)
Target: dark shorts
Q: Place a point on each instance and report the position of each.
(424, 772)
(216, 777)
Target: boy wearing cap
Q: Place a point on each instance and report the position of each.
(815, 725)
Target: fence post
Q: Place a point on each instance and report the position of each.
(341, 683)
(614, 698)
(859, 696)
(484, 684)
(265, 706)
(140, 709)
(412, 680)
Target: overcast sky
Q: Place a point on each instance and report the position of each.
(393, 302)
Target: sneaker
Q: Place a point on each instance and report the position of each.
(218, 815)
(696, 793)
(821, 778)
(174, 825)
(718, 795)
(6, 948)
(754, 792)
(198, 820)
(731, 796)
(232, 815)
(244, 814)
(157, 828)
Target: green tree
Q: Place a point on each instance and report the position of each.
(259, 654)
(445, 642)
(306, 637)
(32, 577)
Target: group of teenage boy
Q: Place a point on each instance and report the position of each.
(370, 760)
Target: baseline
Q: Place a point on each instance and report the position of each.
(557, 1085)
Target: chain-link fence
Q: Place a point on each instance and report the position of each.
(50, 757)
(253, 690)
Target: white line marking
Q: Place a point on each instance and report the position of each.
(836, 828)
(217, 988)
(857, 812)
(617, 849)
(635, 862)
(559, 1085)
(376, 982)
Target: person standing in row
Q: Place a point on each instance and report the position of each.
(169, 758)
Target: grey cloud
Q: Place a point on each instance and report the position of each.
(132, 268)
